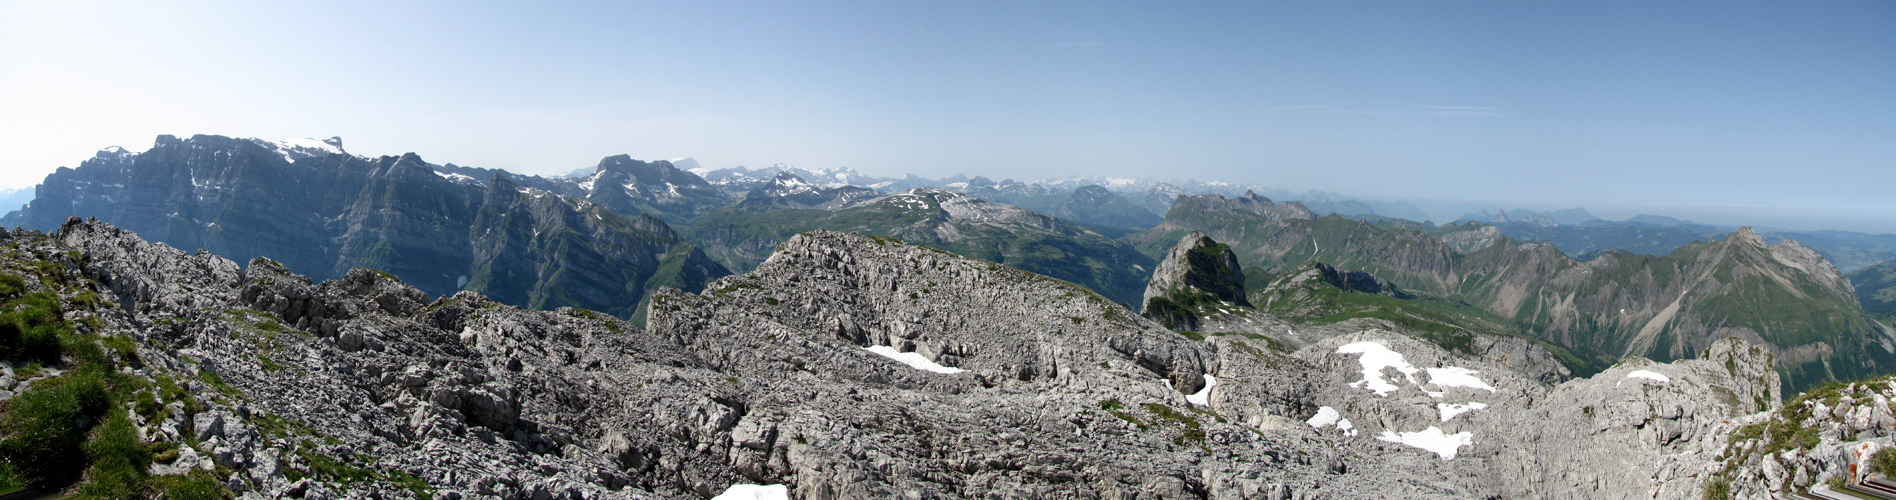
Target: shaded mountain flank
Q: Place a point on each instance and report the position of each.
(319, 210)
(1617, 304)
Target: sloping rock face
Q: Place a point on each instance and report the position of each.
(325, 212)
(1197, 277)
(1472, 237)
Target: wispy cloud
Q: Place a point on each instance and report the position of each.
(1079, 45)
(1297, 107)
(1465, 111)
(1367, 112)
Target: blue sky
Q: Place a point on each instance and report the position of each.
(1725, 112)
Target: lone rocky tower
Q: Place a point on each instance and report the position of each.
(1198, 272)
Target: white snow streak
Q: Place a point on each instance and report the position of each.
(754, 492)
(1455, 376)
(1647, 374)
(1451, 410)
(912, 359)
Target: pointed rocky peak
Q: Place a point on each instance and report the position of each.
(789, 181)
(1253, 196)
(1500, 217)
(1196, 274)
(1747, 236)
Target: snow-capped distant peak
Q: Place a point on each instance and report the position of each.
(689, 165)
(331, 146)
(789, 180)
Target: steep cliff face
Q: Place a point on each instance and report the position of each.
(319, 210)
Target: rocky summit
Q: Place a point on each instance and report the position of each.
(843, 366)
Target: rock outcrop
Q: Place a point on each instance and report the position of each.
(1195, 279)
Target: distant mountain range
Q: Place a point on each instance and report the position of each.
(408, 216)
(1615, 305)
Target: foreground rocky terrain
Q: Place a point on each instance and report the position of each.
(845, 366)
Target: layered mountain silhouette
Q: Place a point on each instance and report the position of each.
(1617, 304)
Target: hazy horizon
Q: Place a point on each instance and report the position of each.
(1755, 114)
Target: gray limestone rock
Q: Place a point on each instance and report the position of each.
(983, 381)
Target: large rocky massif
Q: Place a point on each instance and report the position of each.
(844, 366)
(321, 211)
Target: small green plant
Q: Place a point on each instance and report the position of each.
(771, 300)
(199, 484)
(1718, 490)
(1111, 404)
(1884, 462)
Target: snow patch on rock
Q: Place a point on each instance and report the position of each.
(1455, 376)
(1203, 397)
(1432, 439)
(912, 359)
(754, 492)
(1375, 358)
(1450, 410)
